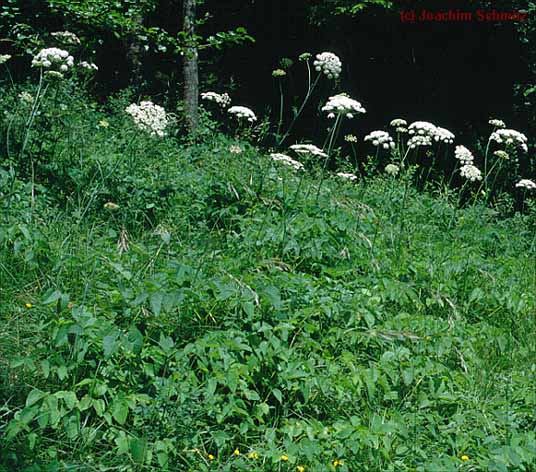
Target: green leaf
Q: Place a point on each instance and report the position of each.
(120, 411)
(278, 395)
(34, 396)
(52, 297)
(119, 268)
(273, 296)
(138, 449)
(110, 344)
(156, 302)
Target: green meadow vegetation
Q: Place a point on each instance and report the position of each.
(204, 303)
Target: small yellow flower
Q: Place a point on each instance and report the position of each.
(337, 462)
(284, 458)
(103, 124)
(464, 458)
(300, 468)
(236, 452)
(28, 305)
(211, 457)
(253, 455)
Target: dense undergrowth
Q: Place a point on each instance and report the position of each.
(200, 307)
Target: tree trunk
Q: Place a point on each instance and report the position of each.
(190, 68)
(134, 55)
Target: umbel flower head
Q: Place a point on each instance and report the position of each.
(470, 172)
(444, 135)
(347, 176)
(223, 99)
(88, 66)
(423, 128)
(54, 59)
(381, 138)
(400, 125)
(419, 140)
(66, 37)
(398, 122)
(463, 155)
(510, 137)
(329, 64)
(287, 160)
(149, 117)
(306, 149)
(497, 123)
(342, 104)
(243, 113)
(526, 183)
(392, 169)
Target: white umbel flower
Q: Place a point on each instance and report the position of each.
(287, 160)
(497, 123)
(347, 176)
(398, 122)
(444, 135)
(221, 99)
(329, 64)
(423, 128)
(53, 58)
(510, 137)
(243, 113)
(381, 138)
(149, 117)
(463, 155)
(66, 37)
(470, 172)
(26, 98)
(526, 183)
(419, 140)
(342, 104)
(392, 169)
(88, 65)
(308, 149)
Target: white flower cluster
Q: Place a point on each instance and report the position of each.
(346, 175)
(4, 58)
(419, 140)
(53, 58)
(235, 149)
(283, 158)
(470, 172)
(149, 117)
(222, 99)
(88, 65)
(398, 122)
(66, 37)
(464, 155)
(26, 98)
(400, 125)
(497, 123)
(342, 104)
(444, 135)
(510, 137)
(381, 138)
(329, 64)
(435, 133)
(243, 112)
(308, 149)
(423, 128)
(526, 183)
(392, 169)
